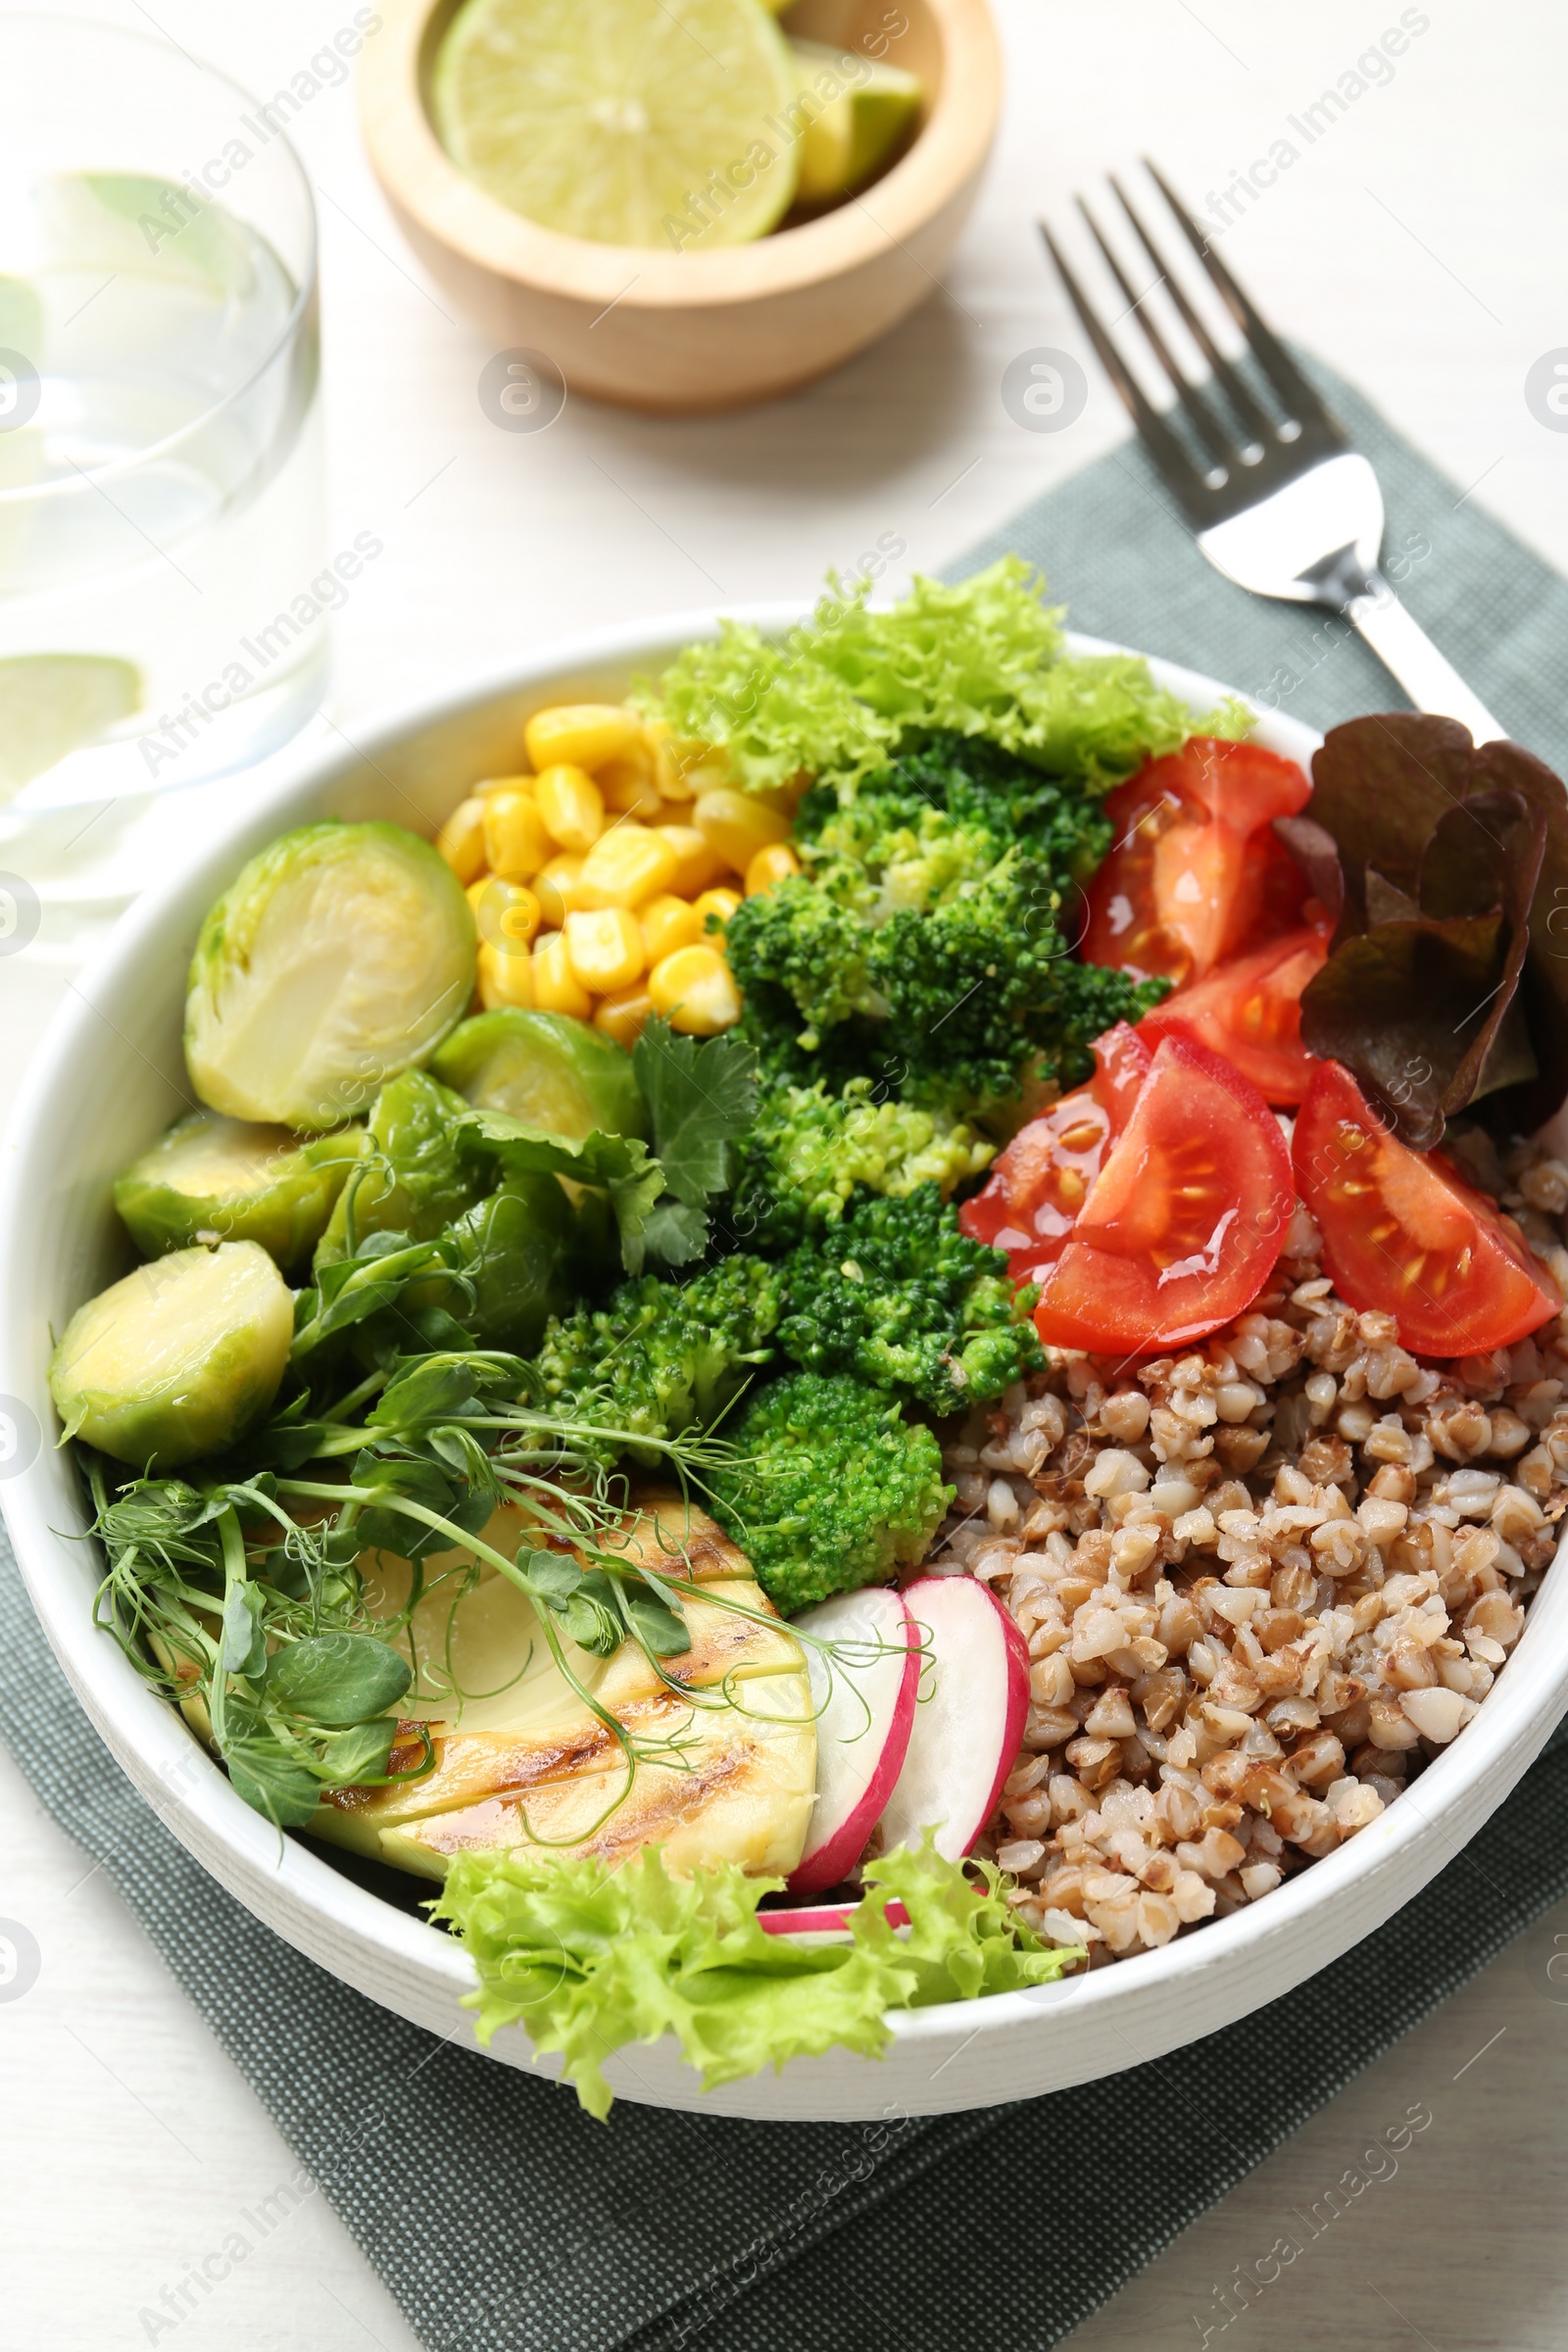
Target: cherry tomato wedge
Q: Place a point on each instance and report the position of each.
(1404, 1233)
(1185, 1217)
(1241, 783)
(1031, 1200)
(1195, 876)
(1122, 1057)
(1251, 1011)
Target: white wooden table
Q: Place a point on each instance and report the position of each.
(1417, 244)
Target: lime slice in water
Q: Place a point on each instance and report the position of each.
(52, 703)
(21, 319)
(858, 126)
(657, 122)
(135, 226)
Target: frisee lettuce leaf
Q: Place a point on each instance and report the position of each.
(589, 1958)
(776, 709)
(983, 658)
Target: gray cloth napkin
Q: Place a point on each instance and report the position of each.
(505, 2221)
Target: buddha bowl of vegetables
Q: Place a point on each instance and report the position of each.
(490, 1378)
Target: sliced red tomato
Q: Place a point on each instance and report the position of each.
(1122, 1057)
(1185, 1217)
(1241, 783)
(1251, 1011)
(1031, 1200)
(1283, 900)
(1194, 874)
(1404, 1233)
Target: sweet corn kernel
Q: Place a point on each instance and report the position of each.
(682, 766)
(624, 1017)
(697, 862)
(583, 734)
(738, 826)
(556, 986)
(555, 887)
(515, 841)
(625, 866)
(508, 915)
(461, 840)
(694, 991)
(604, 948)
(571, 806)
(630, 790)
(489, 784)
(504, 979)
(721, 902)
(669, 923)
(770, 867)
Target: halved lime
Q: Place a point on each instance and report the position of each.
(52, 703)
(657, 122)
(862, 110)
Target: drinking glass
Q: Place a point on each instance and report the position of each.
(164, 584)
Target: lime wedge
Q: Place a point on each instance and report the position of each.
(655, 122)
(52, 703)
(860, 121)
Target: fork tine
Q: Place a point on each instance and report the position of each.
(1204, 426)
(1242, 400)
(1170, 457)
(1301, 402)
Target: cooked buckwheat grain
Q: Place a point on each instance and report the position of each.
(1261, 1582)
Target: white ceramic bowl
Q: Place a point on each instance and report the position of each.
(110, 1076)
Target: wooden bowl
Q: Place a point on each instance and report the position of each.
(679, 332)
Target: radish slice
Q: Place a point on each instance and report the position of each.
(974, 1695)
(866, 1707)
(823, 1919)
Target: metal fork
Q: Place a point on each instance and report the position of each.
(1284, 507)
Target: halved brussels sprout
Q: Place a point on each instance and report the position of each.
(520, 1250)
(419, 1175)
(214, 1179)
(547, 1070)
(177, 1361)
(341, 955)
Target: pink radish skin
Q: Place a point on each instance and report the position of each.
(974, 1698)
(858, 1762)
(823, 1919)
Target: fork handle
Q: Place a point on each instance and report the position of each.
(1404, 647)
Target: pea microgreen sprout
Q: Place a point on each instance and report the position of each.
(275, 1651)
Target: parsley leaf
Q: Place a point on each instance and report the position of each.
(702, 1099)
(618, 1164)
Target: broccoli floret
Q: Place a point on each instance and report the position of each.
(928, 944)
(974, 987)
(663, 1356)
(1083, 1001)
(810, 1149)
(831, 1488)
(893, 846)
(800, 954)
(944, 814)
(899, 1295)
